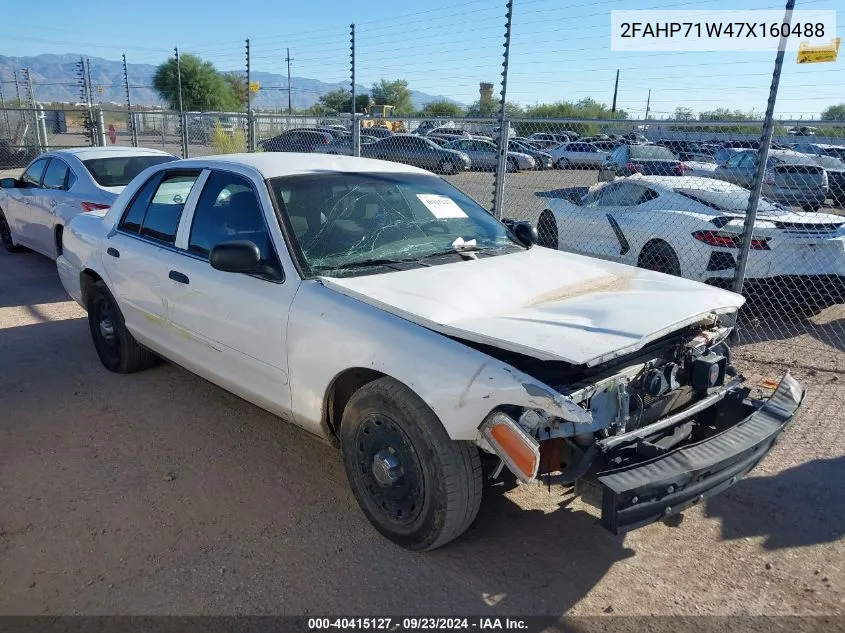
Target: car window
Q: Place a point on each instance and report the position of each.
(32, 176)
(133, 217)
(118, 171)
(606, 196)
(228, 210)
(748, 160)
(651, 152)
(734, 160)
(161, 218)
(55, 177)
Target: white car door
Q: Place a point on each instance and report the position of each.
(138, 253)
(233, 325)
(590, 228)
(20, 202)
(53, 193)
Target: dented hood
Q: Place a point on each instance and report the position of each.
(543, 303)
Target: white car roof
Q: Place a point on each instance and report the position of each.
(85, 153)
(275, 164)
(688, 182)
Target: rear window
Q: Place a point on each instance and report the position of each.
(733, 199)
(794, 159)
(651, 152)
(828, 162)
(119, 171)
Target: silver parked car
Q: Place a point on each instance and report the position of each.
(577, 154)
(418, 151)
(485, 156)
(791, 177)
(61, 184)
(820, 149)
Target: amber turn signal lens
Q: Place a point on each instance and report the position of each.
(519, 450)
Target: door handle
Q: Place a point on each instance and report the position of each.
(175, 275)
(113, 252)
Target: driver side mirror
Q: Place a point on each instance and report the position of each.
(239, 256)
(524, 231)
(9, 183)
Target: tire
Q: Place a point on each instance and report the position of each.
(659, 257)
(447, 166)
(562, 163)
(810, 208)
(117, 348)
(512, 166)
(547, 230)
(418, 488)
(6, 236)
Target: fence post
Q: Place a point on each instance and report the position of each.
(133, 133)
(30, 102)
(83, 96)
(5, 114)
(762, 157)
(250, 130)
(356, 129)
(183, 129)
(41, 119)
(504, 124)
(95, 134)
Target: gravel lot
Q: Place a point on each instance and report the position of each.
(159, 493)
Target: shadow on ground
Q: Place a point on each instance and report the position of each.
(801, 506)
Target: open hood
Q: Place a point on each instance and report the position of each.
(542, 303)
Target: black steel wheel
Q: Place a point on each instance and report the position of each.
(417, 487)
(117, 348)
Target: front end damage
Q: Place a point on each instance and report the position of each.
(645, 436)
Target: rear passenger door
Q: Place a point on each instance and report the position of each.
(232, 325)
(53, 193)
(138, 253)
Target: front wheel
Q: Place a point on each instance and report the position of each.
(6, 236)
(447, 166)
(562, 163)
(117, 348)
(417, 487)
(512, 165)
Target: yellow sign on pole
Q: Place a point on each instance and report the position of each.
(99, 90)
(818, 53)
(254, 86)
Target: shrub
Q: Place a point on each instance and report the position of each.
(224, 143)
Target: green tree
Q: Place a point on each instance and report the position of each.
(441, 108)
(684, 114)
(393, 93)
(236, 83)
(724, 114)
(203, 88)
(834, 113)
(339, 101)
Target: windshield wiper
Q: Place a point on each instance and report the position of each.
(367, 263)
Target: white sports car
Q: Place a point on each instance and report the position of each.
(692, 227)
(55, 186)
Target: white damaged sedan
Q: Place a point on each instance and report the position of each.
(375, 305)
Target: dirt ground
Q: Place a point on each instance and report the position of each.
(159, 493)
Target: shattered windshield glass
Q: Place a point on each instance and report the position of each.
(351, 223)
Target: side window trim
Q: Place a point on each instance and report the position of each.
(155, 178)
(184, 229)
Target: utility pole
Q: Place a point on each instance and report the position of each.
(288, 59)
(615, 91)
(250, 132)
(182, 128)
(356, 129)
(647, 104)
(133, 135)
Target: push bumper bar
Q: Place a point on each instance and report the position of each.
(646, 492)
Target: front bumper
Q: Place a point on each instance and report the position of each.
(651, 490)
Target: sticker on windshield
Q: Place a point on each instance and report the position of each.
(441, 207)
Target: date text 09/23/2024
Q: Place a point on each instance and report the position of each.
(418, 624)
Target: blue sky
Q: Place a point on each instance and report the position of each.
(560, 48)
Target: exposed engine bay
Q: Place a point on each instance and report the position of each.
(667, 426)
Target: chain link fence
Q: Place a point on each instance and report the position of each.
(670, 196)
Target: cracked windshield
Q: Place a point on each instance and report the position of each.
(353, 224)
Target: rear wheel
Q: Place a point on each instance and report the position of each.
(547, 230)
(512, 166)
(417, 487)
(562, 163)
(659, 257)
(6, 236)
(117, 348)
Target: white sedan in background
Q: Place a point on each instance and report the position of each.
(692, 227)
(577, 154)
(58, 185)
